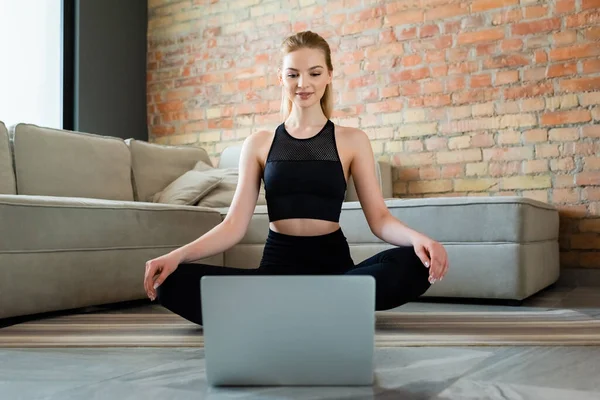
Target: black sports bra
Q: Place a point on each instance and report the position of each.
(304, 178)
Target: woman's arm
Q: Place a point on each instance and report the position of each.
(382, 223)
(234, 226)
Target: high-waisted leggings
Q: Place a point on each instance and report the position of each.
(400, 276)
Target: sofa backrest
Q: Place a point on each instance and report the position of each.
(7, 173)
(155, 166)
(55, 162)
(230, 158)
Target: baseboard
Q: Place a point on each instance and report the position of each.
(579, 277)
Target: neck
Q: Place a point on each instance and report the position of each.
(300, 118)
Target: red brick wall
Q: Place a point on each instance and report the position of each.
(483, 97)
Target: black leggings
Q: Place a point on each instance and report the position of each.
(400, 276)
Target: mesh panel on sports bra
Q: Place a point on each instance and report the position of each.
(320, 147)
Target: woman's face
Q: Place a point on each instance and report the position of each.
(304, 76)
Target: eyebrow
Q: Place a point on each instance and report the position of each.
(316, 66)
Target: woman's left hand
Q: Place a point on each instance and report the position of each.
(432, 255)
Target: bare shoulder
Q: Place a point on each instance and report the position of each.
(258, 144)
(351, 137)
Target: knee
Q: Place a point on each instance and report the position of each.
(409, 267)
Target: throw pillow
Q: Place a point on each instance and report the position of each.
(188, 189)
(222, 195)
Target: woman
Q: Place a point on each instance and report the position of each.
(305, 165)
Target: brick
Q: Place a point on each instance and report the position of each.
(436, 143)
(433, 86)
(404, 18)
(591, 66)
(532, 90)
(534, 74)
(394, 147)
(434, 186)
(430, 172)
(580, 149)
(459, 156)
(541, 57)
(540, 195)
(478, 169)
(589, 259)
(565, 196)
(546, 151)
(591, 131)
(484, 5)
(580, 84)
(414, 115)
(565, 6)
(556, 70)
(413, 146)
(503, 61)
(435, 56)
(459, 142)
(585, 241)
(453, 171)
(414, 74)
(448, 11)
(596, 113)
(590, 4)
(591, 163)
(471, 22)
(535, 136)
(403, 33)
(518, 120)
(507, 107)
(535, 166)
(475, 185)
(590, 193)
(533, 27)
(526, 182)
(575, 52)
(506, 77)
(455, 83)
(510, 45)
(564, 37)
(400, 188)
(403, 159)
(392, 8)
(391, 118)
(486, 49)
(566, 117)
(459, 112)
(483, 109)
(563, 134)
(562, 164)
(429, 31)
(592, 33)
(508, 153)
(482, 140)
(506, 17)
(481, 80)
(509, 137)
(588, 178)
(487, 35)
(564, 180)
(561, 102)
(410, 60)
(475, 95)
(535, 104)
(469, 125)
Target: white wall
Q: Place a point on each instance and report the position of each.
(31, 62)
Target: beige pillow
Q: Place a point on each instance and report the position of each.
(222, 195)
(188, 189)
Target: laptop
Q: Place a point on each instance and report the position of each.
(292, 330)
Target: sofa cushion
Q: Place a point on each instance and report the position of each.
(63, 163)
(7, 173)
(156, 166)
(188, 189)
(504, 219)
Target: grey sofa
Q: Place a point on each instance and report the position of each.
(77, 225)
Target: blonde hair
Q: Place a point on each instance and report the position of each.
(311, 40)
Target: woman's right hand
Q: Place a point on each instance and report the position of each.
(157, 270)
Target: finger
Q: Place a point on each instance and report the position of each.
(422, 254)
(436, 265)
(150, 281)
